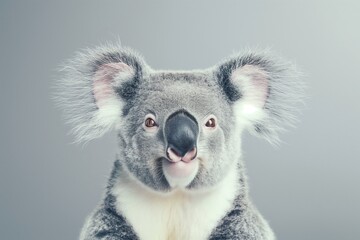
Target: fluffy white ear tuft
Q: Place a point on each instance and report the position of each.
(96, 85)
(264, 90)
(106, 79)
(253, 82)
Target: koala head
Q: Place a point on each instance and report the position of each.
(177, 129)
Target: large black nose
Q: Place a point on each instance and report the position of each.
(181, 133)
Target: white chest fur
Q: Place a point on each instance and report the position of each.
(177, 216)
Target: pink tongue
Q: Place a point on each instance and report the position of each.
(180, 169)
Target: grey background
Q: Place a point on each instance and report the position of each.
(308, 188)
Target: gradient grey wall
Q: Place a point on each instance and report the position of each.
(307, 189)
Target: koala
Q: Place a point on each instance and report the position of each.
(179, 172)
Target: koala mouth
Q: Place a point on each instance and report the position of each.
(180, 174)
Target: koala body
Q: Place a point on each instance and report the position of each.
(179, 171)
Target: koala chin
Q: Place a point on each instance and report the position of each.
(179, 171)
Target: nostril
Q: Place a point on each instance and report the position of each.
(190, 155)
(173, 155)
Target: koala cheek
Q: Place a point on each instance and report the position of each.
(211, 149)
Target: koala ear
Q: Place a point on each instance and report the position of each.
(264, 90)
(95, 87)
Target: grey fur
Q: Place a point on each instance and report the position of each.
(163, 93)
(74, 92)
(285, 90)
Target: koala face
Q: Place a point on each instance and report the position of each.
(185, 144)
(177, 129)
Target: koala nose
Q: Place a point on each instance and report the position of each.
(181, 133)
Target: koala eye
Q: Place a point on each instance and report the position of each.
(211, 123)
(150, 123)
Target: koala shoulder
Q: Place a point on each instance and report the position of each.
(105, 223)
(243, 221)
